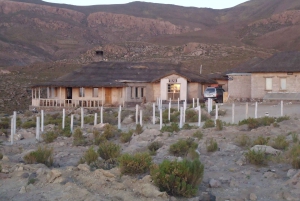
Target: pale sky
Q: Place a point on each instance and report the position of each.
(216, 4)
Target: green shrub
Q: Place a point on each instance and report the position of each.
(110, 131)
(211, 145)
(178, 178)
(78, 138)
(89, 156)
(294, 156)
(138, 129)
(283, 118)
(191, 116)
(187, 127)
(220, 112)
(66, 132)
(181, 148)
(280, 142)
(31, 181)
(295, 137)
(126, 137)
(209, 124)
(260, 140)
(219, 125)
(256, 157)
(134, 164)
(109, 150)
(110, 117)
(41, 155)
(55, 119)
(171, 128)
(50, 136)
(198, 134)
(255, 123)
(89, 120)
(29, 124)
(174, 114)
(154, 146)
(244, 140)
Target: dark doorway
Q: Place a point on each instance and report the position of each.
(69, 94)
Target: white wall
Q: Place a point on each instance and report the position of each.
(164, 86)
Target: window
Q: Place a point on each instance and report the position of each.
(283, 84)
(269, 83)
(95, 92)
(173, 91)
(81, 92)
(142, 92)
(132, 92)
(55, 91)
(136, 92)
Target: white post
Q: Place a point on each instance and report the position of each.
(178, 104)
(181, 117)
(153, 116)
(217, 114)
(232, 120)
(42, 120)
(12, 131)
(255, 114)
(193, 102)
(15, 122)
(160, 119)
(136, 114)
(119, 119)
(169, 112)
(82, 117)
(199, 116)
(63, 119)
(141, 117)
(101, 115)
(95, 119)
(184, 109)
(197, 102)
(160, 103)
(72, 123)
(37, 128)
(247, 110)
(281, 108)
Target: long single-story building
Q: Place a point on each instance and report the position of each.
(275, 78)
(120, 83)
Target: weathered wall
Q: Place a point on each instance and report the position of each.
(194, 91)
(258, 83)
(239, 86)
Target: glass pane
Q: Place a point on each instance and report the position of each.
(268, 83)
(283, 83)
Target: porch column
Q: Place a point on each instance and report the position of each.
(48, 93)
(34, 93)
(60, 96)
(102, 96)
(39, 93)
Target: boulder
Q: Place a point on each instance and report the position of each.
(213, 183)
(128, 120)
(291, 173)
(267, 149)
(83, 167)
(53, 175)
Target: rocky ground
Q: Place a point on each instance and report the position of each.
(227, 175)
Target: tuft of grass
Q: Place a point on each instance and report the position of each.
(89, 156)
(134, 164)
(154, 146)
(31, 181)
(78, 138)
(256, 157)
(255, 123)
(283, 118)
(109, 150)
(260, 140)
(126, 137)
(182, 147)
(50, 136)
(244, 140)
(219, 125)
(139, 129)
(171, 128)
(198, 134)
(280, 142)
(294, 156)
(110, 131)
(29, 124)
(41, 155)
(295, 137)
(211, 145)
(209, 124)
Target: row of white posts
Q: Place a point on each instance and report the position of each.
(40, 120)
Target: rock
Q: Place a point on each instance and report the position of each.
(6, 171)
(253, 197)
(128, 120)
(291, 173)
(104, 173)
(25, 175)
(151, 191)
(294, 181)
(206, 196)
(53, 175)
(266, 149)
(100, 126)
(243, 127)
(32, 176)
(30, 187)
(230, 147)
(213, 183)
(242, 161)
(287, 196)
(22, 190)
(270, 175)
(5, 158)
(83, 167)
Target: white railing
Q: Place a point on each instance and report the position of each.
(68, 103)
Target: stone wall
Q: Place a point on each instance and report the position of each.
(239, 86)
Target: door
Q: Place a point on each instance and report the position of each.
(69, 94)
(108, 96)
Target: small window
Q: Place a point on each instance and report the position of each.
(283, 83)
(95, 92)
(136, 92)
(268, 83)
(142, 92)
(81, 92)
(132, 92)
(55, 91)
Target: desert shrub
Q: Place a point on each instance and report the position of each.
(134, 164)
(110, 131)
(256, 157)
(243, 140)
(41, 155)
(89, 120)
(275, 124)
(294, 156)
(181, 148)
(171, 128)
(49, 136)
(179, 178)
(187, 126)
(260, 140)
(191, 116)
(18, 122)
(219, 125)
(29, 124)
(255, 123)
(55, 119)
(89, 156)
(220, 112)
(280, 142)
(174, 114)
(209, 124)
(31, 181)
(110, 117)
(211, 145)
(28, 113)
(139, 129)
(98, 138)
(1, 156)
(66, 132)
(295, 137)
(198, 134)
(283, 118)
(109, 150)
(154, 146)
(78, 138)
(4, 123)
(126, 136)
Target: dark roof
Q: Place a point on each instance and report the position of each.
(217, 76)
(117, 74)
(245, 67)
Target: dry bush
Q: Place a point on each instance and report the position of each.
(49, 136)
(41, 155)
(78, 138)
(154, 146)
(211, 145)
(89, 156)
(209, 124)
(182, 147)
(198, 134)
(126, 136)
(135, 164)
(256, 157)
(260, 140)
(243, 140)
(294, 156)
(280, 142)
(109, 150)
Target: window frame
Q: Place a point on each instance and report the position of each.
(81, 92)
(269, 85)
